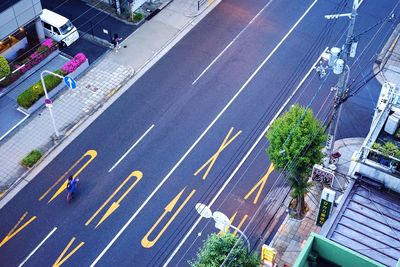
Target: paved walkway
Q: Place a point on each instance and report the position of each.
(292, 234)
(10, 116)
(108, 78)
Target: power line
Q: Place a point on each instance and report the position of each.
(312, 49)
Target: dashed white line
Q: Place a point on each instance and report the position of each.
(130, 149)
(191, 148)
(254, 145)
(40, 244)
(233, 40)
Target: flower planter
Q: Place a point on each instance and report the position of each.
(7, 89)
(40, 103)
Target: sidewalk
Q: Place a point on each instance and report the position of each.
(97, 89)
(292, 234)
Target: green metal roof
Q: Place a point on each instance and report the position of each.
(332, 252)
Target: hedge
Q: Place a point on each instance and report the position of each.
(137, 17)
(4, 67)
(27, 98)
(31, 158)
(44, 50)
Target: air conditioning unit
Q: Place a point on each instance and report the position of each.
(392, 123)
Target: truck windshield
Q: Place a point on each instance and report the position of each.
(66, 28)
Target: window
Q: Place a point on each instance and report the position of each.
(55, 29)
(67, 27)
(47, 26)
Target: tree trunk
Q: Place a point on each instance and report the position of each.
(301, 207)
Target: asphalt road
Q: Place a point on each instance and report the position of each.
(204, 130)
(89, 21)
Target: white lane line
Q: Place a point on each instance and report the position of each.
(130, 149)
(41, 243)
(233, 40)
(193, 146)
(15, 126)
(248, 153)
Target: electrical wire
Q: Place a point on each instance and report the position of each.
(34, 48)
(229, 258)
(210, 191)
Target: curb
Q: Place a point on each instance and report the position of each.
(97, 110)
(385, 55)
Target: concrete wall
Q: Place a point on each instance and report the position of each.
(373, 171)
(18, 15)
(137, 4)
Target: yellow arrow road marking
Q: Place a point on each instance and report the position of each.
(261, 184)
(145, 241)
(15, 231)
(115, 205)
(231, 222)
(210, 162)
(61, 259)
(91, 153)
(241, 223)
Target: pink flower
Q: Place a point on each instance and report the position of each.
(48, 43)
(74, 63)
(80, 57)
(34, 55)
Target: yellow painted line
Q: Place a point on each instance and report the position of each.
(91, 153)
(145, 241)
(14, 231)
(136, 174)
(116, 205)
(210, 162)
(61, 259)
(261, 184)
(230, 222)
(241, 223)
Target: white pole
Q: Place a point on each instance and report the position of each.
(47, 97)
(243, 235)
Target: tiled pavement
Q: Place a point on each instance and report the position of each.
(292, 234)
(69, 108)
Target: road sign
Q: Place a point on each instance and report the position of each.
(268, 255)
(48, 102)
(321, 174)
(70, 82)
(325, 206)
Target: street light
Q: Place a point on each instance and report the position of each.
(48, 101)
(221, 220)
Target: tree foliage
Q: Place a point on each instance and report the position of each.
(216, 248)
(4, 67)
(295, 144)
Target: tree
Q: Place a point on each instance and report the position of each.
(216, 248)
(295, 144)
(4, 67)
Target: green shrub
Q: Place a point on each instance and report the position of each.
(137, 17)
(31, 158)
(4, 67)
(29, 97)
(387, 149)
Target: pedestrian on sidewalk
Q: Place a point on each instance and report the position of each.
(115, 41)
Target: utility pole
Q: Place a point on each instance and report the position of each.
(341, 86)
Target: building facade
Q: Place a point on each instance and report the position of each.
(20, 26)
